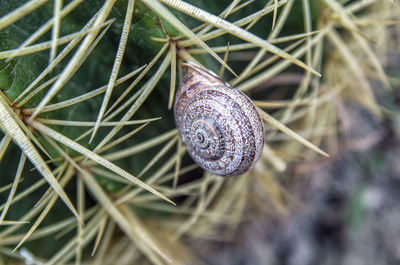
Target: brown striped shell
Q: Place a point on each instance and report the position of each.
(219, 125)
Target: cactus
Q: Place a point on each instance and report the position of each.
(92, 169)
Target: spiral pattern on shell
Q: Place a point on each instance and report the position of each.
(220, 126)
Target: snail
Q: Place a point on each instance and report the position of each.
(219, 126)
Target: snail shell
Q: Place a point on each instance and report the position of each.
(220, 126)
